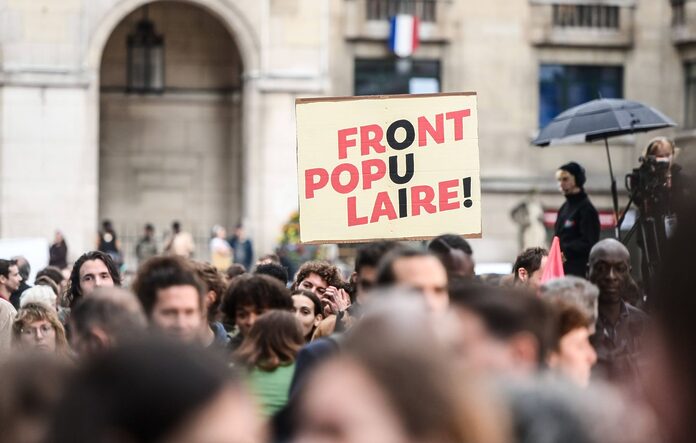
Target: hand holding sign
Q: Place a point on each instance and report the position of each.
(388, 167)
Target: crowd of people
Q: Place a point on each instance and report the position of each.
(411, 347)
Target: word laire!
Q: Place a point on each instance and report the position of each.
(423, 198)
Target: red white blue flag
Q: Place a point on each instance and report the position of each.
(403, 35)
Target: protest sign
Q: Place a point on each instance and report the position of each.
(388, 167)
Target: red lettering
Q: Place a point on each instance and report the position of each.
(311, 184)
(344, 143)
(446, 195)
(352, 170)
(458, 117)
(353, 219)
(367, 171)
(422, 197)
(425, 128)
(383, 206)
(370, 136)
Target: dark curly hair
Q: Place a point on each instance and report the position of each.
(328, 272)
(261, 291)
(74, 293)
(164, 272)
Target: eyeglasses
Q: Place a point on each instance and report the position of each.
(45, 329)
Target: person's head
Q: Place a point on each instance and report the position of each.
(234, 271)
(275, 270)
(172, 296)
(10, 279)
(58, 237)
(529, 267)
(273, 340)
(316, 276)
(108, 317)
(23, 266)
(37, 328)
(572, 355)
(107, 226)
(215, 287)
(418, 270)
(49, 283)
(94, 269)
(503, 330)
(149, 230)
(660, 147)
(268, 258)
(39, 294)
(53, 273)
(570, 178)
(155, 392)
(239, 231)
(176, 227)
(308, 310)
(366, 262)
(249, 296)
(219, 231)
(609, 268)
(32, 384)
(456, 255)
(576, 290)
(395, 384)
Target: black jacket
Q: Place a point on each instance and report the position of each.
(577, 228)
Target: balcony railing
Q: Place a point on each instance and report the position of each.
(586, 16)
(384, 9)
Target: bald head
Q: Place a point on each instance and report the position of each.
(609, 269)
(611, 249)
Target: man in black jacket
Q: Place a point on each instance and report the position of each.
(577, 225)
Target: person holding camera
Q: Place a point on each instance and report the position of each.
(577, 225)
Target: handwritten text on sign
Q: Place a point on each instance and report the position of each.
(388, 167)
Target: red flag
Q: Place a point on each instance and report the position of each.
(554, 264)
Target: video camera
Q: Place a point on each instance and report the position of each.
(649, 184)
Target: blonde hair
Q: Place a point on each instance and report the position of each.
(33, 312)
(652, 144)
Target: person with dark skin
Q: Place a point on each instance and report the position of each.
(619, 325)
(577, 226)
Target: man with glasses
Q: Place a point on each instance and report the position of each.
(620, 326)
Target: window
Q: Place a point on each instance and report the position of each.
(564, 86)
(586, 16)
(690, 99)
(384, 9)
(392, 76)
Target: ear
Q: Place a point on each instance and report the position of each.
(98, 340)
(317, 319)
(522, 275)
(525, 350)
(209, 299)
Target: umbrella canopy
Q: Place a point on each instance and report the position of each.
(601, 119)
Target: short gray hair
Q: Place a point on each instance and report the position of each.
(575, 290)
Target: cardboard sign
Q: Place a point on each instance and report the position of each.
(388, 167)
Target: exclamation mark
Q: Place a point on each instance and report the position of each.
(467, 192)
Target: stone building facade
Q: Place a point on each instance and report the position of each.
(217, 144)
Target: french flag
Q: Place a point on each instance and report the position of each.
(403, 35)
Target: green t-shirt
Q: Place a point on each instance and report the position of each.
(271, 387)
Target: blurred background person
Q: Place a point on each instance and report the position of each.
(529, 267)
(37, 329)
(147, 244)
(94, 269)
(572, 355)
(24, 269)
(268, 352)
(242, 247)
(58, 252)
(109, 243)
(275, 270)
(213, 333)
(578, 291)
(179, 242)
(220, 251)
(456, 255)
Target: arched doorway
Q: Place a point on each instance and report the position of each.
(173, 154)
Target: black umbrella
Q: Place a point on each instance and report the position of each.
(600, 119)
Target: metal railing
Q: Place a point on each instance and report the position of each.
(425, 10)
(586, 16)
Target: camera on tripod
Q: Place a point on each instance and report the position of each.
(649, 184)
